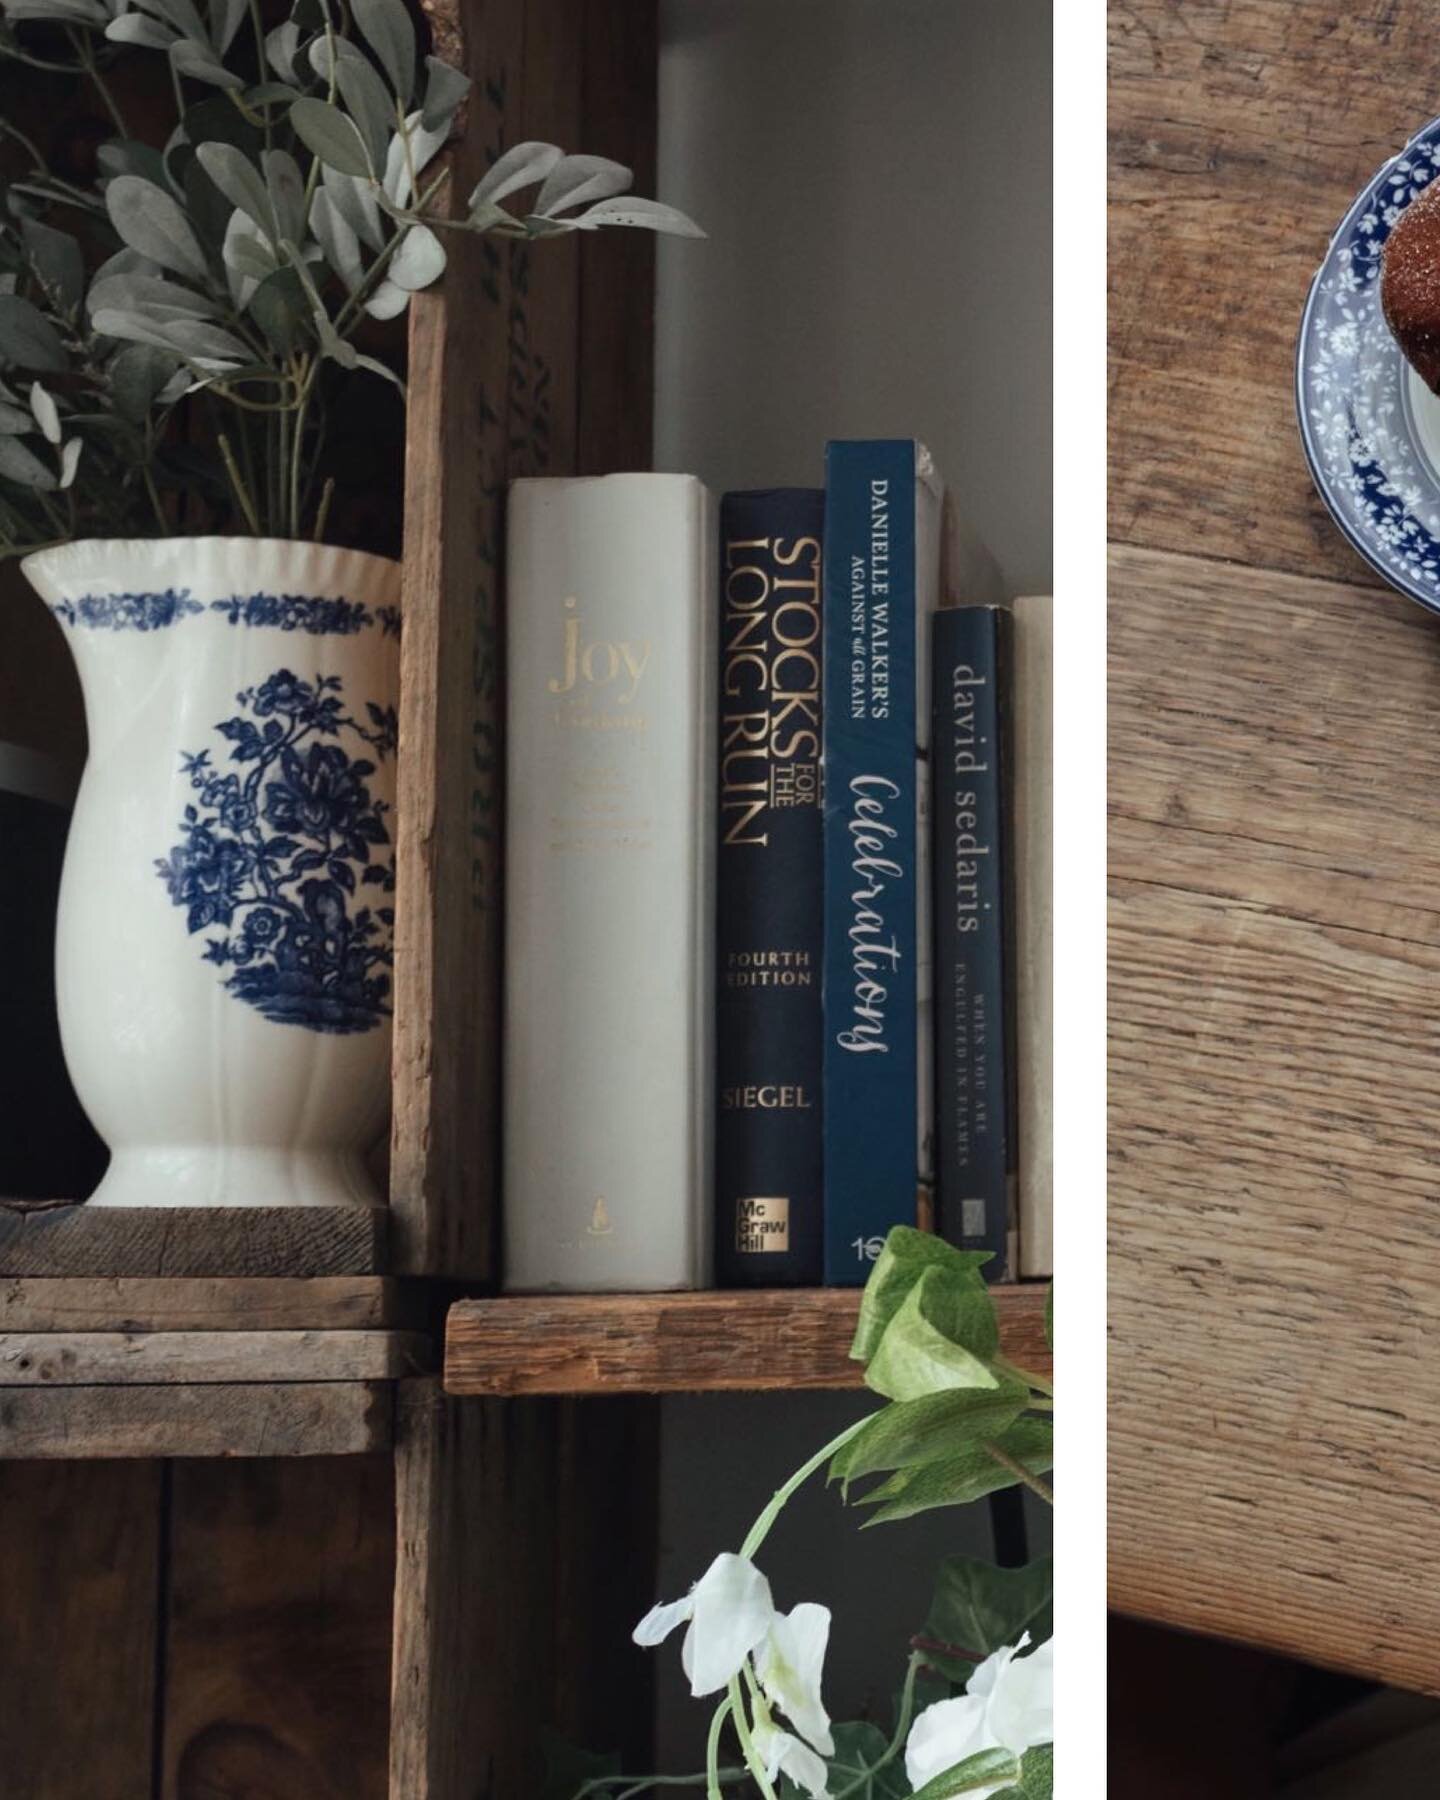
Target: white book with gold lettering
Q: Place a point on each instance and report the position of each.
(609, 883)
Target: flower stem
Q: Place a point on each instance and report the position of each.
(601, 1784)
(712, 1750)
(747, 1743)
(241, 495)
(760, 1530)
(861, 1783)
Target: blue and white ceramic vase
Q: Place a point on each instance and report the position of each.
(224, 948)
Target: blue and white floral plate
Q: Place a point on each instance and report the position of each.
(1370, 426)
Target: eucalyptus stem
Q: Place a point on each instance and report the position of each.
(246, 504)
(81, 45)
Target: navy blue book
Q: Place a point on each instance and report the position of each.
(769, 936)
(974, 990)
(882, 529)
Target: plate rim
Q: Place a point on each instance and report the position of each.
(1431, 602)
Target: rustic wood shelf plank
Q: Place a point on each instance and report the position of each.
(200, 1303)
(325, 1418)
(683, 1343)
(149, 1358)
(46, 1238)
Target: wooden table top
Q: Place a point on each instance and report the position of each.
(1275, 867)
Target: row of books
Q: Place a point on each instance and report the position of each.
(763, 964)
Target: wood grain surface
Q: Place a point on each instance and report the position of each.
(45, 1238)
(201, 1303)
(522, 363)
(276, 1630)
(683, 1343)
(1240, 132)
(522, 1530)
(185, 1358)
(80, 1556)
(327, 1418)
(1274, 788)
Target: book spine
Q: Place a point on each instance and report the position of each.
(1033, 789)
(769, 941)
(876, 960)
(975, 1111)
(609, 926)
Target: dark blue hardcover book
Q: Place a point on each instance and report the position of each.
(882, 517)
(973, 917)
(769, 934)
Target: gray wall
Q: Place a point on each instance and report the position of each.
(875, 179)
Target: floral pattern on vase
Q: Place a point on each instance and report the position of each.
(276, 857)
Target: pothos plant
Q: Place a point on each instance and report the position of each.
(974, 1712)
(231, 265)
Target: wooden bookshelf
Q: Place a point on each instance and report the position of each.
(777, 1340)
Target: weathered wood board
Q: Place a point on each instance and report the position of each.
(35, 1359)
(202, 1303)
(43, 1238)
(792, 1338)
(330, 1418)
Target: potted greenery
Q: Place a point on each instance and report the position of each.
(172, 337)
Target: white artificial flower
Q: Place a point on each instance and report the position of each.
(729, 1612)
(788, 1666)
(1008, 1705)
(779, 1751)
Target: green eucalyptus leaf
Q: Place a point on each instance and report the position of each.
(27, 338)
(386, 27)
(24, 468)
(280, 47)
(649, 215)
(247, 255)
(47, 415)
(412, 149)
(445, 88)
(930, 1428)
(56, 12)
(367, 100)
(240, 182)
(70, 461)
(336, 239)
(225, 18)
(355, 202)
(280, 307)
(906, 1255)
(968, 1475)
(206, 208)
(376, 367)
(14, 421)
(521, 166)
(137, 375)
(182, 15)
(914, 1357)
(286, 187)
(58, 263)
(200, 63)
(978, 1773)
(979, 1607)
(196, 340)
(149, 220)
(140, 28)
(419, 260)
(330, 135)
(576, 179)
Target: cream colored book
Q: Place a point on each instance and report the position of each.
(1033, 790)
(609, 883)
